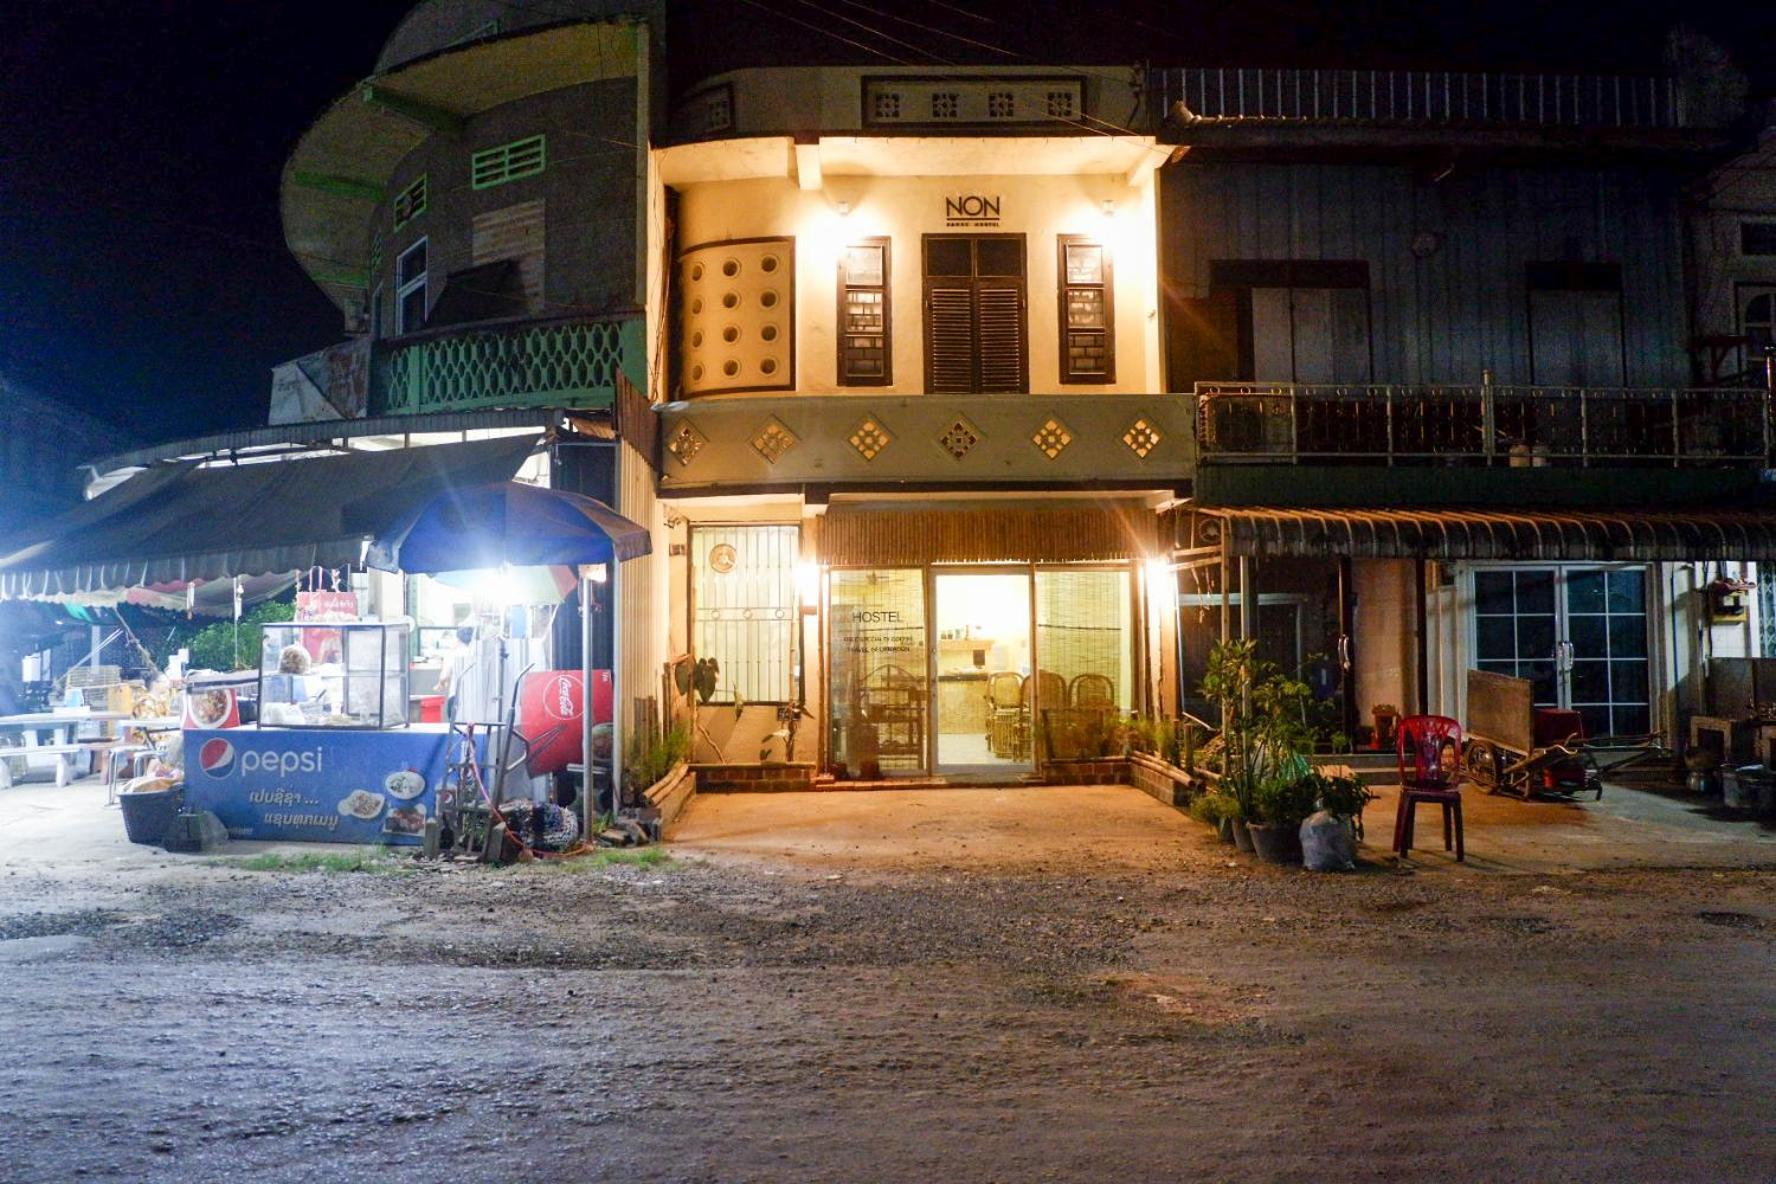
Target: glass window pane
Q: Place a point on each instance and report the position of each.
(1535, 637)
(1535, 592)
(948, 256)
(863, 265)
(1496, 667)
(1628, 682)
(1632, 721)
(1584, 592)
(878, 692)
(1590, 682)
(1547, 691)
(1597, 720)
(1627, 591)
(1589, 636)
(1494, 638)
(1493, 592)
(413, 310)
(1085, 308)
(412, 264)
(1085, 264)
(1627, 637)
(1084, 646)
(1001, 256)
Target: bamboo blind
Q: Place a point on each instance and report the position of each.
(913, 538)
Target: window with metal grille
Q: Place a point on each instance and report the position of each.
(1088, 315)
(744, 609)
(410, 203)
(410, 289)
(975, 340)
(865, 343)
(508, 162)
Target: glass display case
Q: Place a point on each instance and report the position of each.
(344, 675)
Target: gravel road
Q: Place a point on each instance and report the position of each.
(721, 1020)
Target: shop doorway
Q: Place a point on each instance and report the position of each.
(986, 701)
(1578, 634)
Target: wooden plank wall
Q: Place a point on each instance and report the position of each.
(1463, 308)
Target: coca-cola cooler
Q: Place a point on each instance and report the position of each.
(549, 709)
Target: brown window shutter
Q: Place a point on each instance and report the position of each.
(1001, 350)
(949, 339)
(1202, 340)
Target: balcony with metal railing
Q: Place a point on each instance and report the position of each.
(1418, 97)
(534, 362)
(1485, 442)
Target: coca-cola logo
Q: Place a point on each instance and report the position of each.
(560, 702)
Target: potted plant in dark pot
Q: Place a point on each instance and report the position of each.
(1217, 810)
(1264, 733)
(1282, 804)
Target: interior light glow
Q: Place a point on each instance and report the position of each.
(807, 579)
(1162, 588)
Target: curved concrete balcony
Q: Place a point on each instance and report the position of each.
(1082, 441)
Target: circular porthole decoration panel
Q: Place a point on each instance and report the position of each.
(737, 310)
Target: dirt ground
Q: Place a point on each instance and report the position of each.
(1045, 984)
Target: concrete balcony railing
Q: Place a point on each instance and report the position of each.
(1076, 440)
(534, 362)
(1483, 425)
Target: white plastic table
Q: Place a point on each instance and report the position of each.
(59, 727)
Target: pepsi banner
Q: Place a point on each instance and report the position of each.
(319, 786)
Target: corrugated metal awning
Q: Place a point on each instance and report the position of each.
(181, 523)
(1732, 534)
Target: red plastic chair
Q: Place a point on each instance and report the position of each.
(1429, 751)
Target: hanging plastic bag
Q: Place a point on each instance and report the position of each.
(1328, 844)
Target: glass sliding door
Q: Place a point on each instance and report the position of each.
(985, 701)
(878, 689)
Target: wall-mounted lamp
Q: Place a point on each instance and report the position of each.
(1162, 585)
(844, 208)
(1108, 205)
(807, 579)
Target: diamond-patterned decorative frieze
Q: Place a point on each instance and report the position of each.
(959, 439)
(773, 440)
(1052, 438)
(1142, 437)
(869, 437)
(686, 443)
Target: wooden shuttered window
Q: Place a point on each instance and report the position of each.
(866, 341)
(975, 335)
(1087, 312)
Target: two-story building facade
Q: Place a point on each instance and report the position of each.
(1436, 328)
(916, 439)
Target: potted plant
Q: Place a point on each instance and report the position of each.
(1217, 810)
(1328, 837)
(1265, 730)
(1281, 805)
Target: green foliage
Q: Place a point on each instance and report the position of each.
(377, 860)
(649, 757)
(1213, 807)
(1266, 733)
(213, 646)
(1342, 796)
(1284, 801)
(1158, 737)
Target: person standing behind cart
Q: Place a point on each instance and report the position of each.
(458, 665)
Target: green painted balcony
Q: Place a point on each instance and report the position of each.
(884, 441)
(556, 362)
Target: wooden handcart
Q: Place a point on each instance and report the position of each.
(1505, 754)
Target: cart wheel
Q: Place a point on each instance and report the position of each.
(1482, 765)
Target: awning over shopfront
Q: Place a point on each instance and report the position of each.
(1690, 535)
(915, 536)
(180, 523)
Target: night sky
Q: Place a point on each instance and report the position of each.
(142, 269)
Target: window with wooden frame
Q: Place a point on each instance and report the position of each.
(508, 162)
(1088, 314)
(975, 337)
(866, 344)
